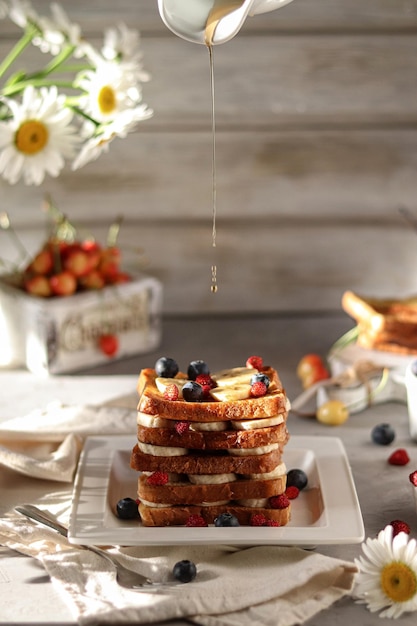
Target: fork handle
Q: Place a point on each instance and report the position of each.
(43, 517)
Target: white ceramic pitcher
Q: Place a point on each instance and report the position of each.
(188, 18)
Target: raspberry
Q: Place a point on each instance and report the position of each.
(413, 478)
(399, 457)
(272, 522)
(400, 527)
(196, 520)
(256, 362)
(158, 478)
(182, 427)
(279, 502)
(292, 492)
(206, 381)
(171, 392)
(258, 519)
(258, 389)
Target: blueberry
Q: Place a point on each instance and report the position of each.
(414, 368)
(165, 367)
(297, 478)
(196, 368)
(192, 392)
(226, 519)
(383, 434)
(260, 378)
(184, 571)
(127, 508)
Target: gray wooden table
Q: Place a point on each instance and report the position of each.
(384, 491)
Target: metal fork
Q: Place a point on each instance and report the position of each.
(125, 577)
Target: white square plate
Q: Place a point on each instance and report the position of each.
(326, 512)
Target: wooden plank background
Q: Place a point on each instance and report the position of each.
(316, 114)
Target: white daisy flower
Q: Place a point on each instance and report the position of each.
(57, 31)
(99, 142)
(387, 577)
(37, 138)
(110, 89)
(22, 13)
(123, 44)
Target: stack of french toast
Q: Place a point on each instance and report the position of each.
(210, 444)
(384, 324)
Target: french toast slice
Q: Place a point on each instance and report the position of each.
(214, 440)
(384, 324)
(153, 402)
(185, 492)
(179, 515)
(203, 462)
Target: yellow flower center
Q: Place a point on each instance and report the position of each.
(398, 581)
(31, 137)
(107, 100)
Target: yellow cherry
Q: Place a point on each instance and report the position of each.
(332, 413)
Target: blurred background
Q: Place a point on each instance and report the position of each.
(316, 116)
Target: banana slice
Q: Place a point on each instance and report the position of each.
(155, 505)
(263, 422)
(154, 421)
(148, 448)
(279, 471)
(163, 383)
(256, 503)
(253, 451)
(208, 426)
(230, 393)
(211, 479)
(233, 376)
(218, 503)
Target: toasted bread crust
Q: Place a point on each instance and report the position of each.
(178, 515)
(214, 440)
(153, 402)
(188, 493)
(388, 325)
(203, 463)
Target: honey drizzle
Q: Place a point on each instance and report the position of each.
(220, 9)
(213, 169)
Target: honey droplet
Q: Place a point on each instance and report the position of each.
(214, 289)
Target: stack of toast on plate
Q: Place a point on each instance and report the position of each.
(211, 444)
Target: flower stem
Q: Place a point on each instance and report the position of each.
(55, 63)
(12, 90)
(23, 42)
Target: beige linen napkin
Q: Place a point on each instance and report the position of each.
(268, 585)
(46, 443)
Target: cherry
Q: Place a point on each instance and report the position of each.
(63, 284)
(108, 344)
(333, 413)
(38, 286)
(311, 369)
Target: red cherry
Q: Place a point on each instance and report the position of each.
(77, 261)
(110, 262)
(63, 284)
(42, 263)
(92, 280)
(108, 344)
(38, 286)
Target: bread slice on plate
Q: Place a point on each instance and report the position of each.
(384, 324)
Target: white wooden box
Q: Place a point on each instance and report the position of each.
(60, 335)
